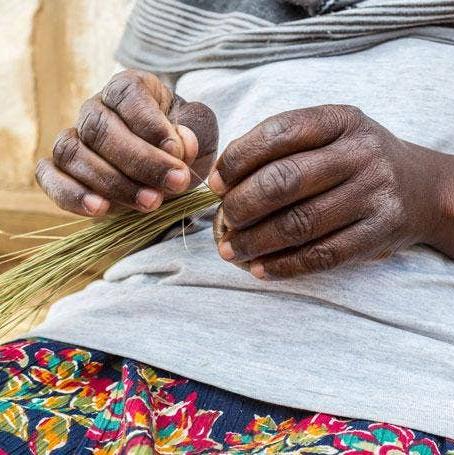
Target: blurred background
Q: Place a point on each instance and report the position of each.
(54, 54)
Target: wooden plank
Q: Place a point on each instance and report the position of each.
(30, 201)
(27, 211)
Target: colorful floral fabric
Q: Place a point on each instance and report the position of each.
(59, 399)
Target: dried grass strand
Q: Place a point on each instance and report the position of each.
(47, 271)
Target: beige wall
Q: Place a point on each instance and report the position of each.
(53, 55)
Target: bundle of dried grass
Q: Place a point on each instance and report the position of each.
(48, 270)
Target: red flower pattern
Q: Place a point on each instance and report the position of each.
(139, 413)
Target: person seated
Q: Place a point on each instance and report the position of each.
(324, 319)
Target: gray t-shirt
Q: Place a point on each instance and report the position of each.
(372, 341)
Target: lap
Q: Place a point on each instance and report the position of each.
(57, 399)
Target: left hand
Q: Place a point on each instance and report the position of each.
(312, 189)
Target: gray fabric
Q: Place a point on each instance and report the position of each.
(372, 341)
(174, 36)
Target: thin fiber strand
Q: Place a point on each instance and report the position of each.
(52, 269)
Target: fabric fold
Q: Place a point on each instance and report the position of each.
(171, 36)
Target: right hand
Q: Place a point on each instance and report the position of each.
(133, 146)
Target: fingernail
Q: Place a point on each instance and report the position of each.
(257, 270)
(216, 183)
(226, 251)
(149, 199)
(190, 143)
(95, 205)
(177, 180)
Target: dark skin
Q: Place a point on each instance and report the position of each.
(135, 144)
(313, 189)
(304, 191)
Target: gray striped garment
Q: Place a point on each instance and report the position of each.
(175, 36)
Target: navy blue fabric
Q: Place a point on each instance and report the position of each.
(36, 365)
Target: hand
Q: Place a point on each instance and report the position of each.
(316, 188)
(133, 146)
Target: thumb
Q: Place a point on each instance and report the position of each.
(190, 144)
(202, 122)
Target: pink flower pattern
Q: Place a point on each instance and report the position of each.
(58, 398)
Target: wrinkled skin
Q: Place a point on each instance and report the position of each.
(304, 191)
(134, 145)
(313, 189)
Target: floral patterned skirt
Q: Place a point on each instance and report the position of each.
(60, 399)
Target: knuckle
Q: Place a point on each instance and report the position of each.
(120, 87)
(350, 110)
(274, 130)
(394, 216)
(270, 182)
(65, 148)
(371, 152)
(94, 126)
(231, 158)
(344, 114)
(279, 180)
(373, 146)
(368, 157)
(320, 257)
(299, 223)
(379, 175)
(386, 177)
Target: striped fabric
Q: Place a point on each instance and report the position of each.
(174, 36)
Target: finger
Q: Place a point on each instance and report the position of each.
(199, 170)
(283, 182)
(78, 161)
(67, 193)
(104, 132)
(143, 102)
(201, 120)
(279, 136)
(295, 226)
(190, 144)
(219, 231)
(359, 242)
